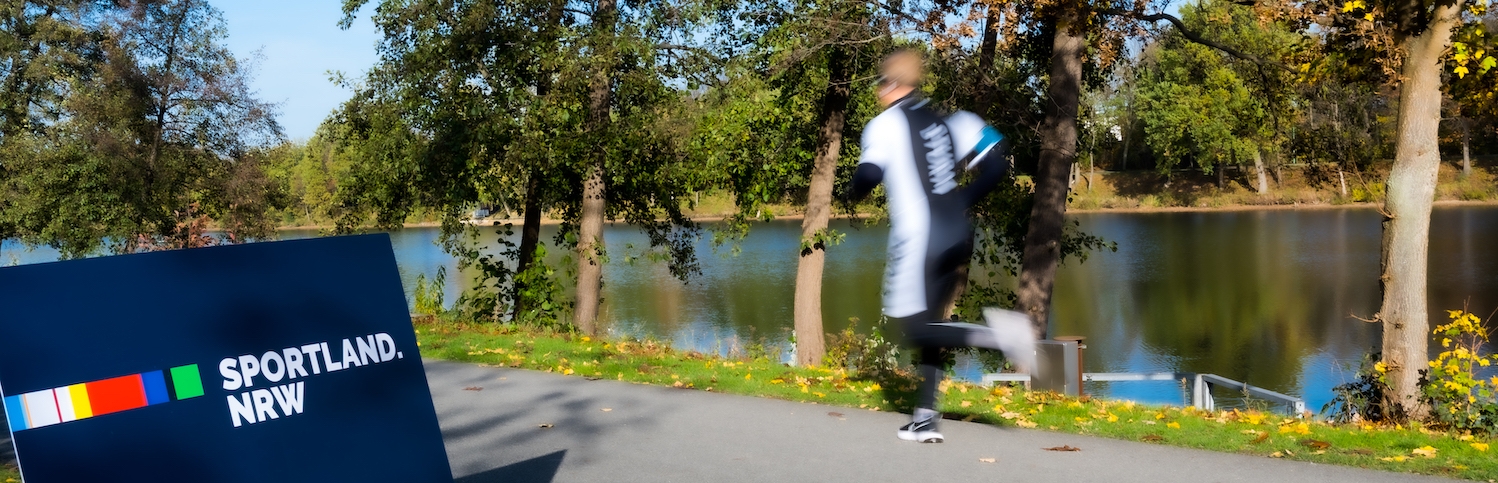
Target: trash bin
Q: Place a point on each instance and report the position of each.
(1058, 367)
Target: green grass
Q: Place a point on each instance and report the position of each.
(1270, 435)
(9, 474)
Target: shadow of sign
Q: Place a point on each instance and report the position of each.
(541, 469)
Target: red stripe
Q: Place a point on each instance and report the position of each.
(115, 395)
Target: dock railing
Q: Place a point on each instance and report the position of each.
(1201, 386)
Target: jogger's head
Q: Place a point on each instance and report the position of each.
(899, 75)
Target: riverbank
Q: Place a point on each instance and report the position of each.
(1143, 192)
(1253, 432)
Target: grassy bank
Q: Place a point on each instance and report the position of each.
(1400, 449)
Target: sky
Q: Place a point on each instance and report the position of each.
(299, 42)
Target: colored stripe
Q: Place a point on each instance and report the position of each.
(186, 382)
(989, 138)
(15, 412)
(81, 408)
(155, 386)
(41, 409)
(64, 404)
(117, 394)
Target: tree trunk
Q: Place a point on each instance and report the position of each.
(1058, 136)
(530, 236)
(1406, 225)
(1263, 177)
(590, 227)
(987, 49)
(808, 312)
(1466, 149)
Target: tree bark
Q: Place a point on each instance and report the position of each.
(1058, 135)
(808, 310)
(530, 236)
(1466, 148)
(1406, 226)
(1259, 167)
(590, 227)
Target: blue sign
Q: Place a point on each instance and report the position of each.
(288, 361)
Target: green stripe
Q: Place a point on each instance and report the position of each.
(187, 382)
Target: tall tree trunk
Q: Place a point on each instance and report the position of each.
(590, 228)
(1263, 177)
(808, 312)
(530, 236)
(1058, 138)
(1466, 148)
(987, 49)
(1406, 225)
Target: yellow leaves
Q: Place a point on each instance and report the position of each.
(1368, 17)
(1010, 415)
(1426, 451)
(1159, 415)
(1483, 447)
(1112, 418)
(1353, 5)
(874, 387)
(1173, 425)
(1381, 367)
(1396, 459)
(777, 381)
(1297, 428)
(1023, 423)
(748, 376)
(1253, 418)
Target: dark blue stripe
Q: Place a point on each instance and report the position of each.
(155, 387)
(16, 413)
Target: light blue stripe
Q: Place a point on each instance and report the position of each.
(990, 137)
(15, 413)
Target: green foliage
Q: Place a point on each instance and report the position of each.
(426, 297)
(1200, 106)
(1362, 399)
(1458, 398)
(869, 356)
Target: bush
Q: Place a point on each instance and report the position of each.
(869, 356)
(1362, 399)
(1458, 399)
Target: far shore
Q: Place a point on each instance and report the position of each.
(798, 216)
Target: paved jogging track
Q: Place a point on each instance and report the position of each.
(659, 434)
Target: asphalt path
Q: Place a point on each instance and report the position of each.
(532, 427)
(519, 426)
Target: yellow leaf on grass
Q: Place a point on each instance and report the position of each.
(1025, 424)
(748, 376)
(777, 381)
(967, 403)
(1479, 446)
(1174, 425)
(1396, 459)
(1112, 418)
(1427, 451)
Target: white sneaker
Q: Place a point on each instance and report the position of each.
(1016, 336)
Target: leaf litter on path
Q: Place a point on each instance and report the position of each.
(1063, 448)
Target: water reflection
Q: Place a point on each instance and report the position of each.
(1260, 296)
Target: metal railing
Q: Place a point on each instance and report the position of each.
(1201, 386)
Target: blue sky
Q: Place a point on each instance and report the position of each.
(300, 42)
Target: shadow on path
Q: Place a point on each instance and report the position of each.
(541, 469)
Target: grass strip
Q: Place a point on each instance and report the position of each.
(1410, 449)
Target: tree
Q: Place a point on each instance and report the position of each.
(1201, 105)
(520, 105)
(162, 135)
(779, 128)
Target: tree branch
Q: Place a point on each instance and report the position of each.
(1197, 37)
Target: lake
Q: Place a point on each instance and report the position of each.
(1266, 297)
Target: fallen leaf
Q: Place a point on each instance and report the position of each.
(607, 409)
(1319, 452)
(967, 403)
(1361, 451)
(473, 388)
(1276, 454)
(835, 415)
(1262, 436)
(1174, 425)
(1025, 424)
(1396, 459)
(1427, 451)
(1479, 446)
(544, 425)
(1010, 415)
(1063, 448)
(1315, 444)
(986, 460)
(1152, 438)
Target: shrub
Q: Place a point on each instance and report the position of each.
(1362, 399)
(1458, 398)
(871, 356)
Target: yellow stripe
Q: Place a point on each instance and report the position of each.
(81, 407)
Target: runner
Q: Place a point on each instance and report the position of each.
(918, 155)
